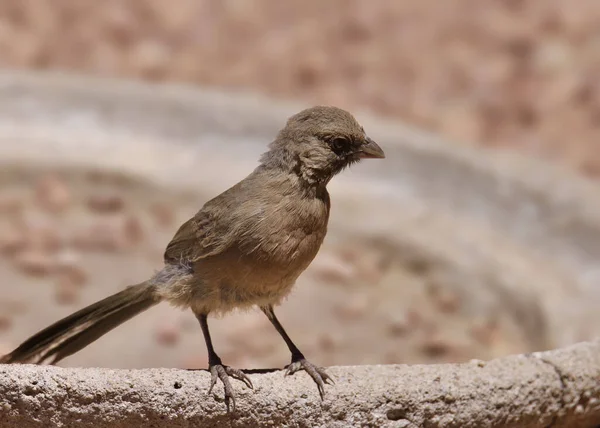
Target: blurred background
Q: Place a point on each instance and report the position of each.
(517, 74)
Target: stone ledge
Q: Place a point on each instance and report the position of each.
(559, 388)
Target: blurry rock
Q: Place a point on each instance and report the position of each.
(44, 238)
(5, 348)
(349, 253)
(107, 203)
(328, 342)
(70, 274)
(590, 167)
(369, 271)
(163, 215)
(188, 323)
(414, 318)
(252, 337)
(196, 361)
(484, 331)
(12, 241)
(447, 301)
(67, 259)
(310, 70)
(34, 262)
(97, 176)
(366, 262)
(10, 203)
(393, 357)
(150, 58)
(248, 332)
(552, 56)
(435, 345)
(12, 306)
(52, 194)
(399, 323)
(462, 352)
(66, 292)
(41, 231)
(418, 264)
(461, 123)
(331, 269)
(236, 358)
(101, 236)
(168, 334)
(5, 323)
(355, 306)
(133, 231)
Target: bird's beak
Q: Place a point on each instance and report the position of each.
(371, 150)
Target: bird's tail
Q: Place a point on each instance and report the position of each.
(73, 333)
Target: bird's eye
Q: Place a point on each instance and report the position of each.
(338, 144)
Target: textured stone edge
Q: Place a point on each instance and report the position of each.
(559, 388)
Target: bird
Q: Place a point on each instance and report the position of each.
(245, 248)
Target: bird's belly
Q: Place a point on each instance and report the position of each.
(236, 280)
(235, 295)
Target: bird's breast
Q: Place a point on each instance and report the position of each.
(274, 247)
(288, 236)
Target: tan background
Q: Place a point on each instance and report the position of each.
(518, 74)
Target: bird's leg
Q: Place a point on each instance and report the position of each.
(298, 361)
(218, 370)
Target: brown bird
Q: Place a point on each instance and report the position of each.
(245, 247)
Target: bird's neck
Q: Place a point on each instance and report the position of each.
(284, 161)
(314, 177)
(290, 182)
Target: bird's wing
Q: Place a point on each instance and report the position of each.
(216, 227)
(199, 237)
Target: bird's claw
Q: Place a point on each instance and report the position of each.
(318, 374)
(219, 371)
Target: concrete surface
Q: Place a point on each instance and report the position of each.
(553, 389)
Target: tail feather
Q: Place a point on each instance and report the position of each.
(76, 331)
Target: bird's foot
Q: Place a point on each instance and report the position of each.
(317, 373)
(220, 371)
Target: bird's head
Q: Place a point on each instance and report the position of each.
(319, 142)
